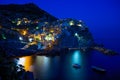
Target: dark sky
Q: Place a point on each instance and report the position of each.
(75, 8)
(99, 15)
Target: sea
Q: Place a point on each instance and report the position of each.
(61, 67)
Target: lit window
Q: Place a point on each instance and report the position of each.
(37, 27)
(79, 25)
(30, 39)
(71, 23)
(49, 37)
(3, 36)
(24, 32)
(18, 23)
(76, 34)
(20, 38)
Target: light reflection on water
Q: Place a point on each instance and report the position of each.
(21, 61)
(76, 57)
(42, 62)
(26, 62)
(47, 68)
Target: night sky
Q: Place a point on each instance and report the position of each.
(101, 16)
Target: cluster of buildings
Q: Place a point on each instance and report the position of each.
(47, 35)
(26, 26)
(24, 21)
(61, 33)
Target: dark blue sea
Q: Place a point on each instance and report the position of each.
(61, 67)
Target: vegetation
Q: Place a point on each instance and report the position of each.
(9, 69)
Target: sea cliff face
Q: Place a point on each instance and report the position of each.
(28, 23)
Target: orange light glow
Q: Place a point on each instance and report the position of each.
(37, 37)
(24, 32)
(26, 62)
(51, 30)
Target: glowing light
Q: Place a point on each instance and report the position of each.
(20, 38)
(79, 25)
(37, 27)
(3, 36)
(13, 21)
(18, 23)
(24, 32)
(44, 62)
(21, 61)
(76, 34)
(26, 62)
(37, 37)
(30, 39)
(76, 58)
(52, 31)
(49, 37)
(26, 20)
(71, 23)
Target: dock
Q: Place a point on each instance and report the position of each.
(104, 50)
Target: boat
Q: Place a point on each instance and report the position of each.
(98, 69)
(77, 66)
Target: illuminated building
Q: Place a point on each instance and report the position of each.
(18, 23)
(20, 38)
(71, 23)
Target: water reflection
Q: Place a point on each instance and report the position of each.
(52, 68)
(21, 61)
(76, 57)
(60, 67)
(26, 62)
(42, 62)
